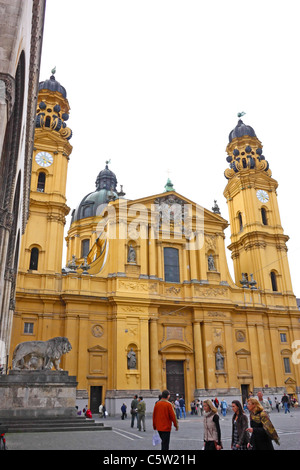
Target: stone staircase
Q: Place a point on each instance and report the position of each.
(55, 424)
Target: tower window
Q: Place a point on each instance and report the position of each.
(240, 221)
(34, 259)
(274, 282)
(171, 262)
(41, 182)
(287, 365)
(283, 337)
(264, 216)
(48, 121)
(85, 248)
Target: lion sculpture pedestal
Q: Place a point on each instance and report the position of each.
(32, 389)
(37, 394)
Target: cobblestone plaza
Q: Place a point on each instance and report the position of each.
(123, 437)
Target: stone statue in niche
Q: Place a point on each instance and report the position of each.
(131, 258)
(131, 359)
(211, 263)
(219, 360)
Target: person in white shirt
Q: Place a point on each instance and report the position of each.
(264, 403)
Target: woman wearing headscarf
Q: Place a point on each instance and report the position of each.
(212, 431)
(261, 428)
(240, 435)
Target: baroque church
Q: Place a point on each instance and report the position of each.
(146, 298)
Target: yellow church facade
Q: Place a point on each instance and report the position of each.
(146, 298)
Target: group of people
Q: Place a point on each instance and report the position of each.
(257, 433)
(138, 412)
(179, 405)
(254, 432)
(286, 403)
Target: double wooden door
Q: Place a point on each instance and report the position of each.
(175, 378)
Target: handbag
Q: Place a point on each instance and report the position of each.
(155, 438)
(217, 444)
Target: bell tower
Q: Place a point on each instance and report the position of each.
(258, 243)
(42, 243)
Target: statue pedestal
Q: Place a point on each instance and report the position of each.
(37, 394)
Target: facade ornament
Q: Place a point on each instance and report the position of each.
(244, 280)
(71, 266)
(252, 282)
(85, 266)
(216, 208)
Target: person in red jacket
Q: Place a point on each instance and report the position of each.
(163, 417)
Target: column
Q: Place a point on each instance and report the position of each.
(154, 366)
(198, 356)
(209, 356)
(230, 362)
(144, 357)
(263, 354)
(276, 356)
(256, 368)
(159, 260)
(143, 249)
(152, 259)
(193, 264)
(82, 354)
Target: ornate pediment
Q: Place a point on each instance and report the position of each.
(290, 381)
(176, 347)
(243, 352)
(97, 348)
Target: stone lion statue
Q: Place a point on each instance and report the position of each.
(40, 355)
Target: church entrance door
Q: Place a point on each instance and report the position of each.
(245, 393)
(175, 378)
(96, 399)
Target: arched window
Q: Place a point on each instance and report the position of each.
(34, 259)
(264, 216)
(274, 281)
(171, 263)
(41, 182)
(240, 218)
(85, 248)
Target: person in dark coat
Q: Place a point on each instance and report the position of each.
(240, 436)
(261, 428)
(124, 411)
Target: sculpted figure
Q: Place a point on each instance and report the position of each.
(131, 359)
(219, 360)
(40, 355)
(131, 255)
(211, 263)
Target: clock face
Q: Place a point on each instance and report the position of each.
(262, 195)
(44, 159)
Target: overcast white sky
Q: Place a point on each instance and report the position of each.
(155, 86)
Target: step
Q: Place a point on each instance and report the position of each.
(59, 429)
(17, 422)
(50, 425)
(15, 425)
